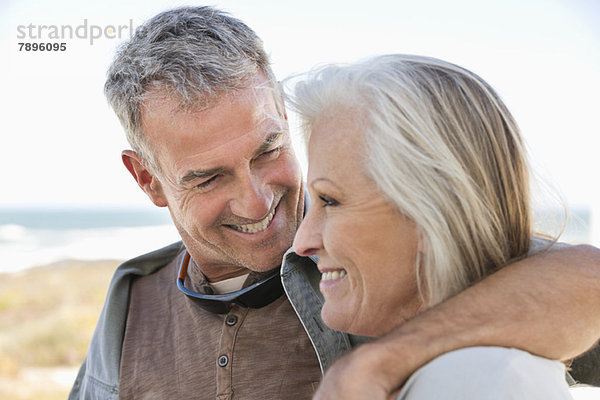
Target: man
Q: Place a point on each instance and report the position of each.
(206, 317)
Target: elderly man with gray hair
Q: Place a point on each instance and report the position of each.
(213, 316)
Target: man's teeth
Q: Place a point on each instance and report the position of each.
(257, 227)
(333, 275)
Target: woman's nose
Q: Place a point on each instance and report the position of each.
(308, 239)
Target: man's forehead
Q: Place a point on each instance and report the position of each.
(222, 136)
(262, 102)
(248, 114)
(197, 99)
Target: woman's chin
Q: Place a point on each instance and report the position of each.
(350, 321)
(335, 318)
(345, 321)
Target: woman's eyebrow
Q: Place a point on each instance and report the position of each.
(324, 180)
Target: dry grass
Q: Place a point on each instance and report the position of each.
(47, 316)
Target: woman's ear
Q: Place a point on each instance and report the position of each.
(144, 177)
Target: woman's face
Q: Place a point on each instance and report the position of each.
(367, 249)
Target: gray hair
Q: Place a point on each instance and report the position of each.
(193, 54)
(443, 148)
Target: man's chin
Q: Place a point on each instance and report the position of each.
(262, 264)
(263, 256)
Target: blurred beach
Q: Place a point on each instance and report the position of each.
(47, 316)
(56, 268)
(31, 237)
(542, 56)
(54, 273)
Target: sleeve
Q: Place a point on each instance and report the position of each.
(488, 373)
(586, 368)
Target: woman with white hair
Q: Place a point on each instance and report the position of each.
(419, 185)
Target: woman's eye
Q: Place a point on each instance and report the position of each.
(328, 201)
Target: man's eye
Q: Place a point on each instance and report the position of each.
(207, 183)
(271, 153)
(328, 201)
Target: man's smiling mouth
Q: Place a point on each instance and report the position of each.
(256, 227)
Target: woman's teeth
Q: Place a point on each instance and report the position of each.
(257, 227)
(333, 275)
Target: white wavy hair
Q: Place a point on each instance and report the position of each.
(442, 146)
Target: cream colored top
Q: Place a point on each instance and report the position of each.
(488, 373)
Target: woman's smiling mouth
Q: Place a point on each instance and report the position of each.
(333, 275)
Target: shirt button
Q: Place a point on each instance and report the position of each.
(231, 320)
(223, 361)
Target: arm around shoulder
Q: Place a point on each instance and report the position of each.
(547, 304)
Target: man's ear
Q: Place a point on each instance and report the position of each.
(144, 177)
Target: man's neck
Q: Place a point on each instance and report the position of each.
(220, 274)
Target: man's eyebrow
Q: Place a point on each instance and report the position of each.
(191, 175)
(200, 174)
(266, 145)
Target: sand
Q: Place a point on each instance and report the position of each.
(47, 316)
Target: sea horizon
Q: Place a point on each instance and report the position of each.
(37, 236)
(33, 236)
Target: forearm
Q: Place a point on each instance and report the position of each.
(548, 305)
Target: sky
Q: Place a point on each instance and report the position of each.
(61, 142)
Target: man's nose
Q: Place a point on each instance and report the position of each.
(254, 198)
(308, 239)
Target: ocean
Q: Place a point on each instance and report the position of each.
(577, 224)
(32, 237)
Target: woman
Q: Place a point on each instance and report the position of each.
(419, 186)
